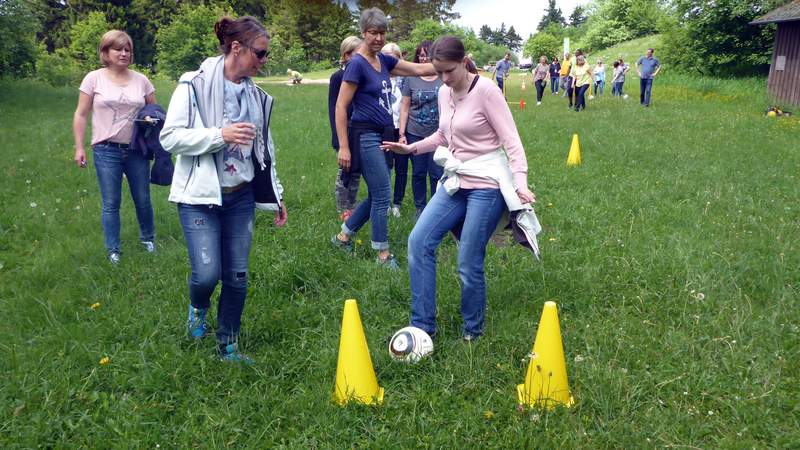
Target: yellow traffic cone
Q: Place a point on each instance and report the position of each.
(355, 376)
(574, 157)
(546, 381)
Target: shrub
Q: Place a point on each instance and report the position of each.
(58, 68)
(18, 27)
(183, 44)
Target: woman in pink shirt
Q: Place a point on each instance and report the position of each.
(114, 94)
(474, 122)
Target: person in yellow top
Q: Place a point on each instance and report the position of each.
(581, 73)
(564, 74)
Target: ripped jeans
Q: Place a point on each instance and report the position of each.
(218, 239)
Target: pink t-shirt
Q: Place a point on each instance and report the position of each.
(480, 124)
(113, 106)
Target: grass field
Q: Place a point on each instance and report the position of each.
(672, 253)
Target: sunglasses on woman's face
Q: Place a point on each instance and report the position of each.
(260, 54)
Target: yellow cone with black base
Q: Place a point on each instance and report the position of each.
(574, 157)
(355, 376)
(546, 383)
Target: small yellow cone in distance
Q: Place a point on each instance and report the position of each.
(355, 376)
(546, 382)
(574, 157)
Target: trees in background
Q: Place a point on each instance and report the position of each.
(501, 37)
(18, 28)
(714, 36)
(552, 16)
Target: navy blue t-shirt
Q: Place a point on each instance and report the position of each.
(372, 101)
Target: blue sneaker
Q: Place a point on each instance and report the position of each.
(345, 246)
(231, 353)
(196, 323)
(390, 262)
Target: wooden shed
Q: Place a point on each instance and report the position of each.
(784, 72)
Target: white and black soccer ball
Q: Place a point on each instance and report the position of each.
(410, 344)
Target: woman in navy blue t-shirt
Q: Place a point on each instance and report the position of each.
(366, 85)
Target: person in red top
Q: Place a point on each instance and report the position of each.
(474, 122)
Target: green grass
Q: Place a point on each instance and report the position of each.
(630, 51)
(695, 195)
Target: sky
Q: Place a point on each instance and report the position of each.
(524, 15)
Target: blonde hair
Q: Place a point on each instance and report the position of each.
(113, 39)
(580, 60)
(349, 45)
(392, 49)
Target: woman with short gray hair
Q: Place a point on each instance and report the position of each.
(367, 86)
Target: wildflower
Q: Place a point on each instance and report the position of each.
(579, 358)
(488, 415)
(21, 160)
(710, 413)
(358, 241)
(77, 207)
(34, 205)
(105, 360)
(534, 417)
(700, 296)
(27, 181)
(549, 204)
(95, 306)
(624, 370)
(552, 239)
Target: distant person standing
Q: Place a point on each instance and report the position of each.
(555, 77)
(621, 80)
(599, 77)
(501, 71)
(647, 67)
(540, 74)
(566, 81)
(616, 74)
(419, 118)
(394, 160)
(113, 95)
(346, 190)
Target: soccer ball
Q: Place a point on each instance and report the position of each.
(410, 344)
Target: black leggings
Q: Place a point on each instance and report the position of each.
(539, 89)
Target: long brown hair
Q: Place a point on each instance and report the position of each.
(450, 48)
(244, 30)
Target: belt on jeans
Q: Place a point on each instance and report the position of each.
(232, 189)
(114, 144)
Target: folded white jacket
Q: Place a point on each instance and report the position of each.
(493, 166)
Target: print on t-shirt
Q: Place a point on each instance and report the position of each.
(386, 90)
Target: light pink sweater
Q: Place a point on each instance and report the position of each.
(480, 124)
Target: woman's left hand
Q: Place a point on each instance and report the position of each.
(281, 216)
(525, 195)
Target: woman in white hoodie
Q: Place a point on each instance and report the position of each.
(218, 125)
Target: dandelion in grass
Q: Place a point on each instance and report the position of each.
(488, 415)
(535, 417)
(579, 359)
(27, 181)
(552, 239)
(358, 241)
(95, 306)
(549, 204)
(105, 360)
(34, 205)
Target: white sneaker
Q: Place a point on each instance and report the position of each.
(149, 246)
(114, 258)
(538, 103)
(395, 211)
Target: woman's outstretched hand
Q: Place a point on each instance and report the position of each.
(525, 195)
(397, 147)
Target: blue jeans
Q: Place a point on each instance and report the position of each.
(423, 168)
(476, 212)
(598, 87)
(218, 239)
(554, 85)
(110, 163)
(400, 163)
(373, 208)
(645, 88)
(616, 89)
(500, 84)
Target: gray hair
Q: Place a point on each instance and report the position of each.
(373, 18)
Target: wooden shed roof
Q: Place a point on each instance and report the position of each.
(786, 13)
